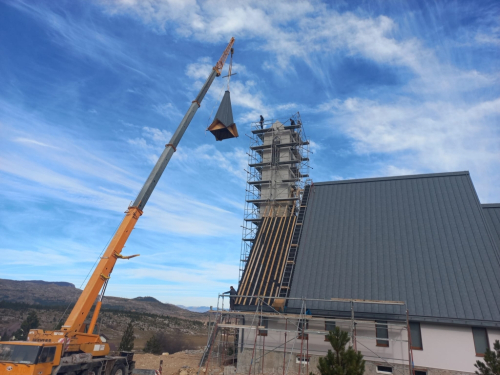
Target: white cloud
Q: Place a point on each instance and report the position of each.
(33, 142)
(167, 110)
(234, 162)
(426, 137)
(84, 175)
(199, 274)
(152, 142)
(307, 30)
(81, 37)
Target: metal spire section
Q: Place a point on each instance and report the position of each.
(223, 126)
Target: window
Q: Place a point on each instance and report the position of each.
(264, 322)
(480, 340)
(304, 360)
(416, 336)
(329, 326)
(26, 354)
(47, 354)
(384, 370)
(275, 153)
(303, 324)
(382, 333)
(420, 372)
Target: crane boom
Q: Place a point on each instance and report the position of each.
(105, 266)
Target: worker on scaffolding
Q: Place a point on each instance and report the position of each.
(292, 122)
(261, 122)
(231, 292)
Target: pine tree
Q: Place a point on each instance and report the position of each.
(5, 336)
(127, 343)
(341, 361)
(492, 361)
(29, 323)
(153, 345)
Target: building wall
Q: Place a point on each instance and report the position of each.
(447, 349)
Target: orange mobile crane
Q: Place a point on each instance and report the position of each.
(75, 350)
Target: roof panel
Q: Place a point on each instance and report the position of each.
(492, 214)
(421, 239)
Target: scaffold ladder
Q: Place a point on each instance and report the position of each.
(211, 340)
(294, 245)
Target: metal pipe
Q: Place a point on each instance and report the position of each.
(94, 317)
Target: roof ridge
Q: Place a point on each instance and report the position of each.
(405, 177)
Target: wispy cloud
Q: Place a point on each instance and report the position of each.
(168, 110)
(308, 31)
(425, 137)
(33, 142)
(81, 37)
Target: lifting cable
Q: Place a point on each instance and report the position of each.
(230, 68)
(229, 74)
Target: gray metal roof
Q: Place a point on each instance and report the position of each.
(421, 239)
(492, 213)
(225, 112)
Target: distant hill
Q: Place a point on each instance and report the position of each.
(59, 283)
(199, 309)
(146, 299)
(44, 293)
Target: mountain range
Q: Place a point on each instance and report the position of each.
(46, 293)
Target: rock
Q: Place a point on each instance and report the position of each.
(164, 353)
(183, 372)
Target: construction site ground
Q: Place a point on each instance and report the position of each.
(174, 364)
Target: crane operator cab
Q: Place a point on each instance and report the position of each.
(29, 358)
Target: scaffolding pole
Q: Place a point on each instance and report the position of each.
(279, 326)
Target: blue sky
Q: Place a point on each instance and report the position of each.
(90, 92)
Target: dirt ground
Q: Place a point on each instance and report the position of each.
(173, 364)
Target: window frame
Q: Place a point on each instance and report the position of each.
(378, 340)
(305, 359)
(51, 354)
(302, 325)
(474, 341)
(420, 334)
(326, 329)
(384, 372)
(264, 321)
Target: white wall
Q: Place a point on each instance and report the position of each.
(445, 347)
(449, 347)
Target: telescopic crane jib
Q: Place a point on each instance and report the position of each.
(72, 337)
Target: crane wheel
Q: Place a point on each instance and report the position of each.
(119, 369)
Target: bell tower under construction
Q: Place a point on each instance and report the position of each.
(277, 184)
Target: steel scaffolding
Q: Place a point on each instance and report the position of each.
(268, 341)
(277, 149)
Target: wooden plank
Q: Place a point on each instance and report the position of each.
(284, 248)
(249, 265)
(243, 326)
(289, 241)
(266, 252)
(262, 253)
(273, 252)
(261, 245)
